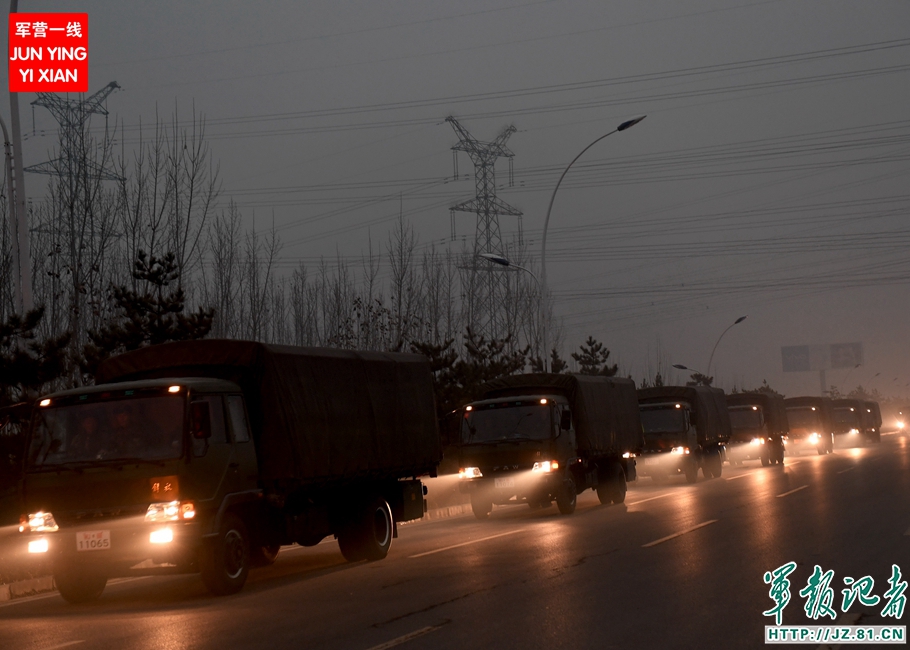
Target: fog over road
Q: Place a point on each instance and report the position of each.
(677, 566)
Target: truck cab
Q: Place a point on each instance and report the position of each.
(685, 429)
(759, 428)
(518, 450)
(130, 478)
(810, 422)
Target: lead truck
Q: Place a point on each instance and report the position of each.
(542, 437)
(207, 456)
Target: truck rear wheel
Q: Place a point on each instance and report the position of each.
(567, 497)
(225, 562)
(77, 586)
(369, 535)
(716, 462)
(613, 489)
(691, 470)
(481, 505)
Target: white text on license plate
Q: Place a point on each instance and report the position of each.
(94, 540)
(504, 482)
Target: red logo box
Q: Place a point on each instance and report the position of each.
(48, 53)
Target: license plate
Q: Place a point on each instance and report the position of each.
(95, 540)
(504, 482)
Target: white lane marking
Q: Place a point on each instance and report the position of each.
(659, 496)
(844, 471)
(801, 487)
(407, 637)
(64, 645)
(733, 478)
(473, 541)
(682, 532)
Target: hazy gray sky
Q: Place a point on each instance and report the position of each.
(770, 177)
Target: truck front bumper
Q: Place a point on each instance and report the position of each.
(515, 487)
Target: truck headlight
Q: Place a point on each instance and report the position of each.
(170, 511)
(679, 450)
(470, 472)
(39, 522)
(38, 546)
(814, 437)
(755, 441)
(545, 466)
(163, 536)
(854, 431)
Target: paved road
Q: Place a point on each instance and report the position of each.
(678, 566)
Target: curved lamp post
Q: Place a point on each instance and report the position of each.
(504, 261)
(546, 222)
(736, 322)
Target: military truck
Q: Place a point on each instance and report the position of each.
(759, 428)
(811, 424)
(853, 423)
(686, 428)
(207, 456)
(874, 421)
(540, 437)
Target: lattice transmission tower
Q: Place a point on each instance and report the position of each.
(72, 115)
(489, 284)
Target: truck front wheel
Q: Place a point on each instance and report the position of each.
(691, 470)
(481, 505)
(79, 586)
(567, 497)
(225, 562)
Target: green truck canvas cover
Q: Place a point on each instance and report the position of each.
(709, 404)
(605, 409)
(317, 414)
(772, 407)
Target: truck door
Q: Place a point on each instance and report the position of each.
(246, 473)
(213, 468)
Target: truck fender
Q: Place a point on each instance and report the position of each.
(235, 500)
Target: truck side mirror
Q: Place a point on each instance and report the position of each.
(565, 421)
(200, 421)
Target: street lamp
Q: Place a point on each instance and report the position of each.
(546, 222)
(736, 322)
(504, 261)
(680, 366)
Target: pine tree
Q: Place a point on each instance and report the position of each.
(29, 364)
(592, 359)
(150, 317)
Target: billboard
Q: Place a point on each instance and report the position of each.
(802, 358)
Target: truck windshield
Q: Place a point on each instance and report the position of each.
(746, 418)
(846, 415)
(507, 421)
(656, 421)
(803, 419)
(146, 428)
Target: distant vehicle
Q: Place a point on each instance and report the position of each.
(874, 414)
(207, 456)
(759, 427)
(853, 422)
(540, 437)
(686, 428)
(903, 418)
(811, 424)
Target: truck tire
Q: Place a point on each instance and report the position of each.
(368, 536)
(613, 487)
(481, 505)
(264, 555)
(830, 443)
(717, 464)
(567, 497)
(77, 586)
(225, 561)
(766, 459)
(778, 453)
(691, 471)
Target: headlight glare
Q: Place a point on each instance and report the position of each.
(38, 546)
(470, 472)
(170, 511)
(39, 522)
(679, 450)
(545, 466)
(163, 536)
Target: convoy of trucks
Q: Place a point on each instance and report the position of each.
(759, 428)
(206, 456)
(686, 429)
(537, 438)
